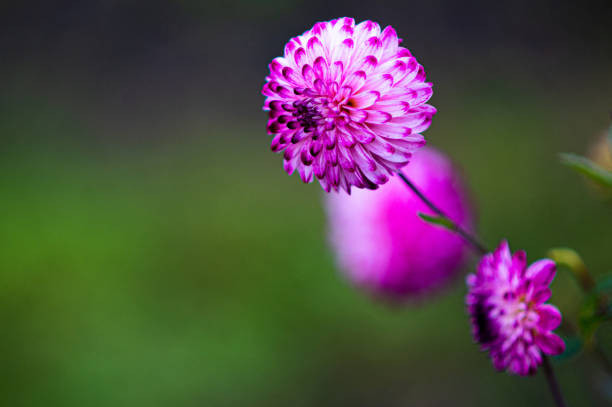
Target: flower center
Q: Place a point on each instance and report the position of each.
(307, 114)
(317, 114)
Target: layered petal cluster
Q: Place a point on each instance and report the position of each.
(347, 104)
(510, 320)
(385, 248)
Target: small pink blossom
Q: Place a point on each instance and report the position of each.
(506, 302)
(347, 104)
(381, 243)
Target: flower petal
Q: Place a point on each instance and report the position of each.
(541, 295)
(550, 343)
(365, 99)
(541, 272)
(550, 317)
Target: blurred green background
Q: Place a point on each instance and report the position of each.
(154, 253)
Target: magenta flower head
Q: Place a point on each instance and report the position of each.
(509, 317)
(383, 246)
(347, 104)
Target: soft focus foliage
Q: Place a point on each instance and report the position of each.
(599, 167)
(139, 263)
(587, 167)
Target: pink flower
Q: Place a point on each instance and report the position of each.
(506, 302)
(347, 104)
(382, 244)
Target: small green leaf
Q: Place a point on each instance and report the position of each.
(587, 167)
(438, 220)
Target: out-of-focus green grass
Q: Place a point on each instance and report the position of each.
(195, 272)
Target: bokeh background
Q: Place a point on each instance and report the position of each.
(154, 253)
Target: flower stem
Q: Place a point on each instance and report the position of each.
(473, 241)
(552, 382)
(481, 249)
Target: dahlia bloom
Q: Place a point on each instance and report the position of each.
(381, 243)
(347, 104)
(506, 302)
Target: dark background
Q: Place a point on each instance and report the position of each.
(153, 252)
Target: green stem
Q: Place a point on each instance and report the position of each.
(476, 245)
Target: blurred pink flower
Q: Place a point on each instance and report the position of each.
(347, 104)
(382, 244)
(510, 319)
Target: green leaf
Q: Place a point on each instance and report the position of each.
(587, 167)
(438, 220)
